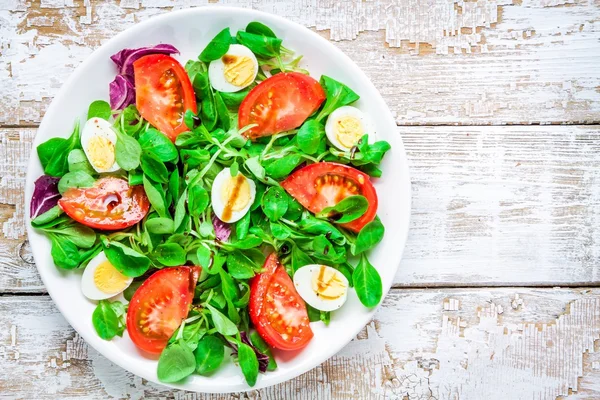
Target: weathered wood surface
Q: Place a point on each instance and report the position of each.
(484, 62)
(501, 205)
(423, 344)
(506, 205)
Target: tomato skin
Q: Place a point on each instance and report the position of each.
(163, 93)
(159, 305)
(280, 103)
(303, 185)
(110, 204)
(263, 289)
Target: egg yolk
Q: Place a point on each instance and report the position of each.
(327, 284)
(235, 193)
(101, 152)
(108, 279)
(348, 130)
(239, 71)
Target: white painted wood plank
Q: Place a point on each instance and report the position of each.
(505, 205)
(423, 344)
(435, 62)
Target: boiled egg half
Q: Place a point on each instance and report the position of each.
(101, 280)
(234, 71)
(322, 287)
(346, 125)
(98, 140)
(232, 196)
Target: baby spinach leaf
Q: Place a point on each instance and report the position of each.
(209, 111)
(239, 266)
(132, 121)
(192, 333)
(338, 95)
(349, 209)
(78, 161)
(259, 28)
(170, 254)
(223, 325)
(248, 362)
(367, 283)
(194, 158)
(230, 289)
(241, 227)
(295, 209)
(274, 203)
(54, 153)
(176, 362)
(248, 242)
(180, 211)
(325, 250)
(159, 144)
(99, 109)
(209, 354)
(346, 269)
(160, 226)
(279, 231)
(262, 46)
(281, 167)
(154, 168)
(369, 236)
(310, 224)
(127, 151)
(300, 259)
(217, 47)
(156, 198)
(130, 291)
(189, 119)
(233, 100)
(106, 321)
(135, 178)
(80, 235)
(264, 348)
(222, 112)
(197, 200)
(64, 252)
(128, 261)
(309, 136)
(77, 179)
(52, 214)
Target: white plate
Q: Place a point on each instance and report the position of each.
(190, 31)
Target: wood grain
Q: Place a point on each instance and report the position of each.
(435, 62)
(510, 205)
(533, 343)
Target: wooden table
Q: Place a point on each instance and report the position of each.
(498, 104)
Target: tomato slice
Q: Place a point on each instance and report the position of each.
(277, 310)
(159, 305)
(280, 103)
(325, 184)
(163, 93)
(108, 205)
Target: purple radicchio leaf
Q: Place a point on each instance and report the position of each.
(45, 195)
(122, 93)
(126, 57)
(222, 229)
(122, 89)
(263, 359)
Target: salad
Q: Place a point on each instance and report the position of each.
(216, 209)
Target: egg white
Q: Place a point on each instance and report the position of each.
(347, 111)
(102, 128)
(217, 202)
(216, 69)
(89, 288)
(303, 282)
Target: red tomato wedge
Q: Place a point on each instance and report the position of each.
(280, 103)
(108, 205)
(159, 305)
(277, 310)
(163, 93)
(325, 184)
